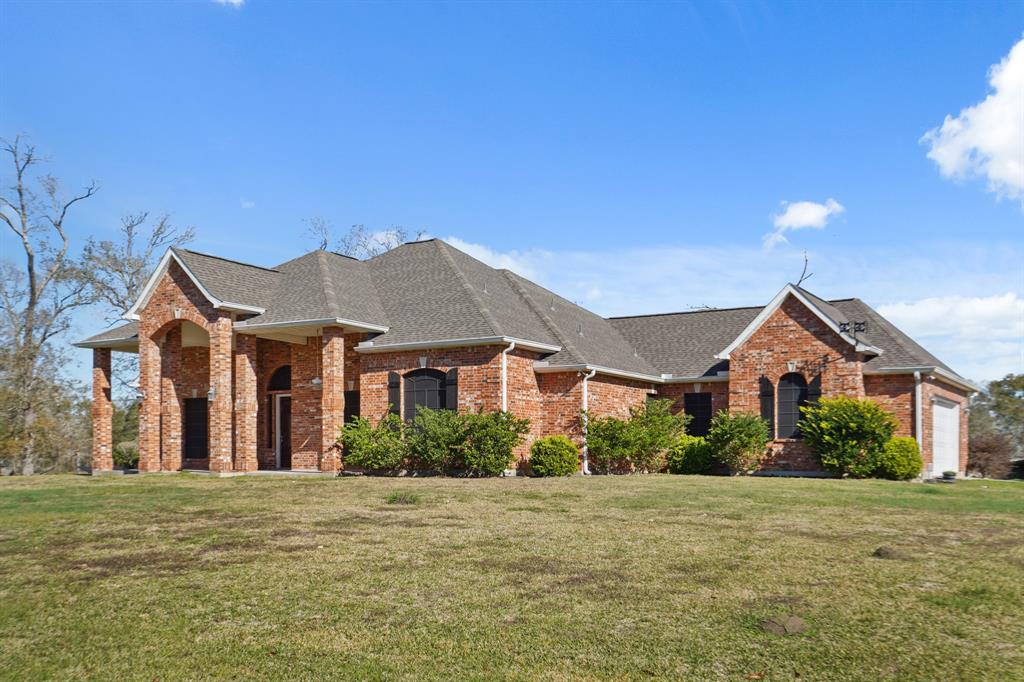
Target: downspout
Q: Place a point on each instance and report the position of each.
(504, 376)
(586, 402)
(917, 413)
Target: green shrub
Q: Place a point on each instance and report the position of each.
(848, 435)
(651, 430)
(554, 456)
(126, 454)
(437, 439)
(900, 461)
(690, 455)
(380, 448)
(490, 439)
(738, 440)
(607, 444)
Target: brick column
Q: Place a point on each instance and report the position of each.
(245, 403)
(149, 409)
(332, 397)
(170, 404)
(221, 417)
(102, 412)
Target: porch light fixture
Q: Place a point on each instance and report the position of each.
(351, 385)
(317, 382)
(211, 394)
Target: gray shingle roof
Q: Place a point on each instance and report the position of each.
(685, 344)
(429, 291)
(128, 331)
(229, 280)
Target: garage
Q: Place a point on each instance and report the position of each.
(945, 436)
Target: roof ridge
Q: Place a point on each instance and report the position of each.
(545, 318)
(227, 260)
(484, 311)
(327, 284)
(685, 312)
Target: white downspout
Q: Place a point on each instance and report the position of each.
(504, 376)
(586, 404)
(917, 413)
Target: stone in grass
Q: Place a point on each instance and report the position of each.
(784, 625)
(886, 552)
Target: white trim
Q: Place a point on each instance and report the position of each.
(542, 367)
(369, 347)
(165, 261)
(672, 379)
(244, 326)
(918, 412)
(586, 405)
(776, 302)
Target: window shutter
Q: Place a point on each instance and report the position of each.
(451, 389)
(814, 390)
(270, 421)
(768, 405)
(394, 392)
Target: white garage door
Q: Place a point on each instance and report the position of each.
(945, 437)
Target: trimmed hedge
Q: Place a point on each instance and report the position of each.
(738, 440)
(637, 444)
(375, 448)
(554, 456)
(848, 435)
(900, 460)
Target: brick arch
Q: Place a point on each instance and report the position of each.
(162, 323)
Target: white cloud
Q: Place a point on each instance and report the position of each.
(987, 139)
(247, 203)
(985, 332)
(233, 3)
(635, 281)
(797, 215)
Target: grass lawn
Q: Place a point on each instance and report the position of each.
(186, 577)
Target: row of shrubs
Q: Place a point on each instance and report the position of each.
(445, 441)
(853, 438)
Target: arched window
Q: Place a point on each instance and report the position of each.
(281, 379)
(429, 388)
(792, 394)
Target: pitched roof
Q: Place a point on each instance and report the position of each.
(428, 292)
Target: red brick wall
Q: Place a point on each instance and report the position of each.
(479, 376)
(525, 398)
(562, 401)
(895, 393)
(719, 391)
(792, 334)
(612, 396)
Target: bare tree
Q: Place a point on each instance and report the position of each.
(117, 270)
(358, 242)
(37, 296)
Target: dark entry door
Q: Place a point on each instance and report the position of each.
(698, 406)
(196, 427)
(284, 417)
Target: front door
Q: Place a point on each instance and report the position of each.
(284, 432)
(196, 427)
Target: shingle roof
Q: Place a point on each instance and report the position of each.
(429, 291)
(126, 332)
(684, 344)
(230, 280)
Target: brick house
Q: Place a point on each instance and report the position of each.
(245, 368)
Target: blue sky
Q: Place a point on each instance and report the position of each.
(633, 157)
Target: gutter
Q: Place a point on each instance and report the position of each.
(504, 376)
(918, 412)
(542, 367)
(369, 347)
(586, 418)
(244, 326)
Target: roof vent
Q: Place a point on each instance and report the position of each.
(485, 287)
(579, 328)
(552, 305)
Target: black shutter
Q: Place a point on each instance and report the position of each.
(270, 421)
(451, 389)
(394, 392)
(768, 405)
(814, 390)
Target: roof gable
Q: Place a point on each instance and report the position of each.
(812, 303)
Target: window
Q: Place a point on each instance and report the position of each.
(430, 388)
(792, 394)
(281, 379)
(698, 406)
